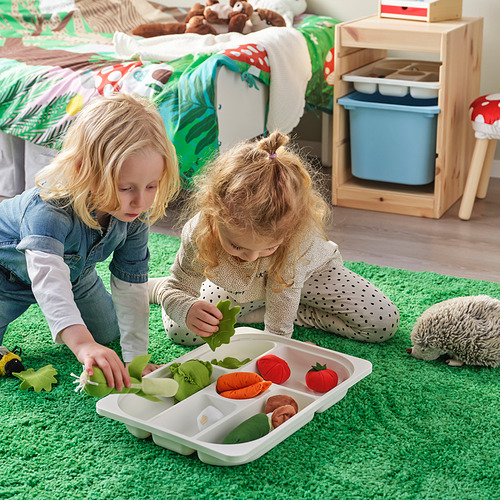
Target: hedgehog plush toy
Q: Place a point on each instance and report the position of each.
(466, 329)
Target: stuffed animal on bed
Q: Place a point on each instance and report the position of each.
(288, 9)
(224, 18)
(264, 18)
(236, 17)
(467, 329)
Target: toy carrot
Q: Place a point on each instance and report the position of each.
(241, 385)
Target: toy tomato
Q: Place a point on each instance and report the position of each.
(273, 368)
(321, 379)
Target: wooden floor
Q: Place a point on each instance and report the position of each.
(469, 249)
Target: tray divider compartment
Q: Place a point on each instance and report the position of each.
(175, 427)
(252, 407)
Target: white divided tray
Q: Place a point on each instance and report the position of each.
(175, 426)
(397, 77)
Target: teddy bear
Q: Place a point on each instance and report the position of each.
(288, 9)
(264, 18)
(228, 17)
(216, 12)
(212, 19)
(197, 9)
(215, 18)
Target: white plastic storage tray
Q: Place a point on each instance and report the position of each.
(398, 78)
(175, 426)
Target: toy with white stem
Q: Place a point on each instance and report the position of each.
(149, 387)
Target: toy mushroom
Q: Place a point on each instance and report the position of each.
(485, 116)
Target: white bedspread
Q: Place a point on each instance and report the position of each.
(286, 49)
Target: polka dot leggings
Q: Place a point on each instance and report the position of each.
(337, 301)
(342, 302)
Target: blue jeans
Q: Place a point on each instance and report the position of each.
(91, 297)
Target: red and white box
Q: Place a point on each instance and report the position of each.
(421, 10)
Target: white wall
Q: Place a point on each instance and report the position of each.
(345, 10)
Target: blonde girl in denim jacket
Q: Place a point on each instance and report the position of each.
(114, 176)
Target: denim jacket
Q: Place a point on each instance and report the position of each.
(29, 223)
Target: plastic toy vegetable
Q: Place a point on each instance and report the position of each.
(321, 379)
(226, 325)
(241, 385)
(273, 368)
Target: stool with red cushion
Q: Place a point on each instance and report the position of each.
(485, 116)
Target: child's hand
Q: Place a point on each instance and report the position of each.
(108, 361)
(90, 354)
(203, 318)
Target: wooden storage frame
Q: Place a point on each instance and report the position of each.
(459, 45)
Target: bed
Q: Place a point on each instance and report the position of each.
(55, 55)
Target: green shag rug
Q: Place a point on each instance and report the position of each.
(410, 430)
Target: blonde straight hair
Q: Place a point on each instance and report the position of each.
(106, 132)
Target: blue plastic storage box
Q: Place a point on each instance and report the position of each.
(393, 139)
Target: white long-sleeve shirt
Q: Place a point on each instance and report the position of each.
(51, 285)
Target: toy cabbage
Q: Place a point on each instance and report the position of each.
(192, 376)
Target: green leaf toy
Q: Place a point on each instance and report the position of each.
(38, 380)
(148, 388)
(230, 363)
(226, 325)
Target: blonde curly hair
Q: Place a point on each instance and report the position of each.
(266, 189)
(106, 132)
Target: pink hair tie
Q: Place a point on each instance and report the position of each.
(272, 156)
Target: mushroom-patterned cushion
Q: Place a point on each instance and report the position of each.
(485, 116)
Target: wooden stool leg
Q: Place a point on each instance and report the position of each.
(475, 169)
(485, 175)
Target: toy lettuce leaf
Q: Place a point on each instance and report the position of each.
(40, 379)
(137, 365)
(230, 363)
(226, 325)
